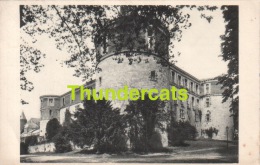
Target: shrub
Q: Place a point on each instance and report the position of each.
(180, 131)
(61, 141)
(99, 125)
(23, 148)
(52, 128)
(210, 132)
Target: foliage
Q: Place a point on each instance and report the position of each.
(179, 131)
(100, 126)
(67, 119)
(229, 47)
(210, 131)
(75, 27)
(23, 148)
(143, 117)
(61, 141)
(52, 128)
(31, 140)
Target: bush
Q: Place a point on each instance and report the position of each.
(99, 125)
(210, 132)
(52, 128)
(23, 148)
(61, 141)
(180, 131)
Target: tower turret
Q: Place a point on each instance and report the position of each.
(133, 51)
(23, 121)
(50, 108)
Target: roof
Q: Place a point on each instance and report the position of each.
(35, 120)
(31, 133)
(31, 125)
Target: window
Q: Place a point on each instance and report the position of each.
(186, 83)
(207, 102)
(198, 102)
(208, 116)
(173, 76)
(179, 80)
(207, 88)
(192, 101)
(153, 75)
(100, 81)
(196, 116)
(50, 112)
(150, 37)
(182, 114)
(197, 87)
(51, 102)
(63, 101)
(191, 86)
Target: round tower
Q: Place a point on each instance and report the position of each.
(50, 106)
(132, 51)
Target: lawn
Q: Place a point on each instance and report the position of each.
(201, 151)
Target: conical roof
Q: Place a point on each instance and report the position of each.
(22, 116)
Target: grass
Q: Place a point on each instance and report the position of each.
(201, 151)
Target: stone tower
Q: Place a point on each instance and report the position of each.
(23, 121)
(132, 50)
(50, 108)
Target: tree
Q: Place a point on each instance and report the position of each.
(52, 128)
(143, 117)
(230, 51)
(100, 126)
(179, 131)
(62, 140)
(75, 27)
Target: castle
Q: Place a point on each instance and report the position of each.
(139, 58)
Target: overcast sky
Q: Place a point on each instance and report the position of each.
(200, 50)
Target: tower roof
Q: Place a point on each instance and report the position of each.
(22, 116)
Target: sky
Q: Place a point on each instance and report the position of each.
(200, 56)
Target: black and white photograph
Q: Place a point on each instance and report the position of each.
(132, 83)
(143, 47)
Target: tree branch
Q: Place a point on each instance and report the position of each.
(73, 34)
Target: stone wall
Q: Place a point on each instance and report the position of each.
(48, 147)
